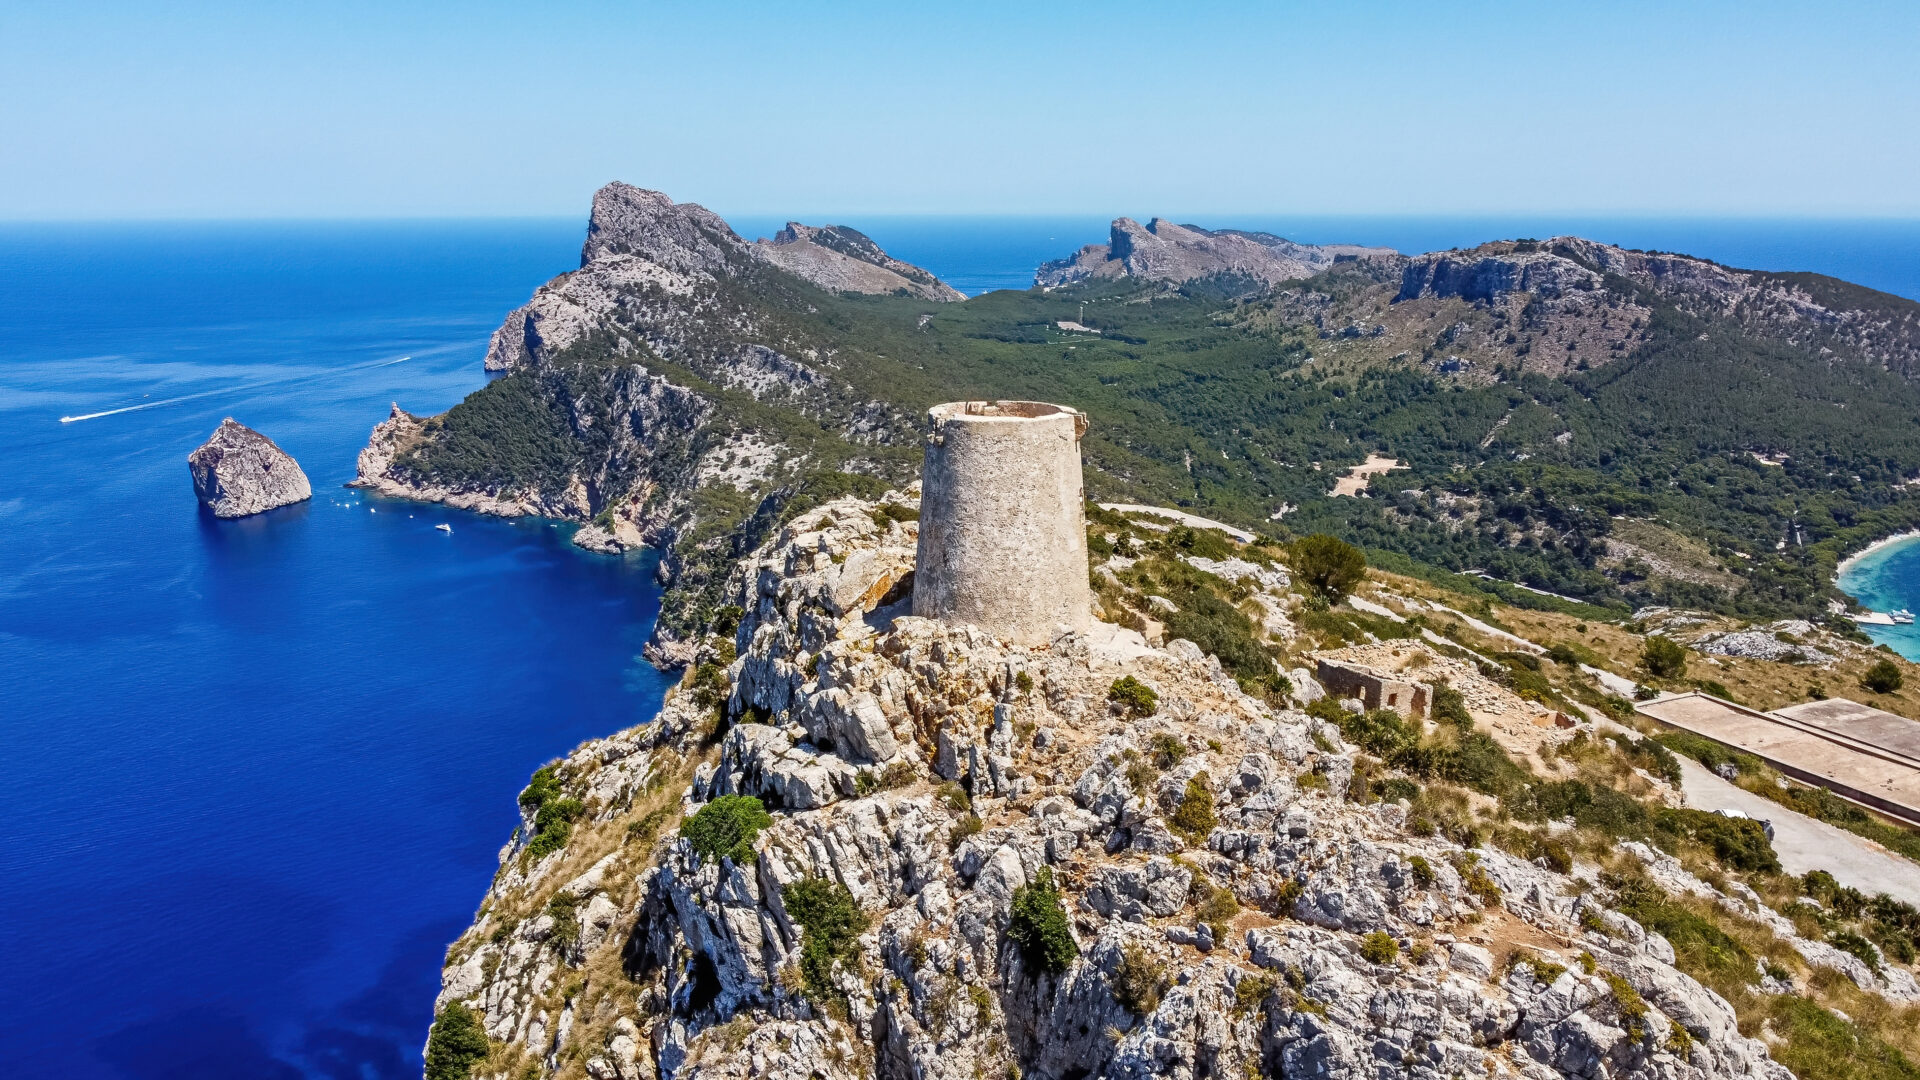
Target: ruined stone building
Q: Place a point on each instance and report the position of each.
(1375, 689)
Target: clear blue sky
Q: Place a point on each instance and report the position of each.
(476, 108)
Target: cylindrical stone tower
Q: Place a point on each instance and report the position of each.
(1003, 533)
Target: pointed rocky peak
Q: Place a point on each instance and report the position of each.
(847, 260)
(684, 237)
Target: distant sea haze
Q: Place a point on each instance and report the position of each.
(260, 769)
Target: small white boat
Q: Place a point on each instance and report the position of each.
(1901, 616)
(444, 528)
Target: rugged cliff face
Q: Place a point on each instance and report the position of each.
(239, 471)
(660, 392)
(982, 860)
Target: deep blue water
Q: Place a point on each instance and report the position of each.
(259, 770)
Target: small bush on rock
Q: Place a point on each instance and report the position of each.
(1138, 980)
(727, 826)
(455, 1044)
(831, 925)
(1379, 948)
(1038, 924)
(1194, 818)
(1217, 910)
(1136, 697)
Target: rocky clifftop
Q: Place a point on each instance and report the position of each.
(846, 260)
(1586, 291)
(1163, 251)
(980, 860)
(239, 471)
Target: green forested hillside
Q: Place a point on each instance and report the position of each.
(1762, 459)
(1193, 406)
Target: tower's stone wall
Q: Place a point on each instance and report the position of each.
(1003, 538)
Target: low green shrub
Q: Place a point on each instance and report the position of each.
(1422, 871)
(1138, 980)
(1883, 677)
(1379, 948)
(830, 928)
(1663, 658)
(565, 909)
(1194, 818)
(726, 827)
(1217, 910)
(1136, 697)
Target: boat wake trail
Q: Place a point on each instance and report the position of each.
(232, 390)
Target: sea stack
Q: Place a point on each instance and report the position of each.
(240, 472)
(1003, 534)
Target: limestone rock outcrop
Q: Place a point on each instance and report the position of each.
(1163, 251)
(929, 773)
(239, 472)
(846, 260)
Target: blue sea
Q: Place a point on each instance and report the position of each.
(258, 771)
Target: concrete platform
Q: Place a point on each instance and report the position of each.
(1874, 776)
(1894, 734)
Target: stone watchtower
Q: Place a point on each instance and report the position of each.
(1003, 534)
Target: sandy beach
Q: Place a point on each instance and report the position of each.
(1885, 542)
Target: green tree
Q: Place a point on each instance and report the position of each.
(1329, 566)
(1663, 658)
(1883, 677)
(1039, 924)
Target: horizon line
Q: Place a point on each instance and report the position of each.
(1454, 215)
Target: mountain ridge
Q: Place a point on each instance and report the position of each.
(683, 390)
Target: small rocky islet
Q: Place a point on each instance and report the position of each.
(239, 472)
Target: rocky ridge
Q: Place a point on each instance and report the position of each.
(936, 776)
(662, 285)
(238, 472)
(1163, 251)
(846, 260)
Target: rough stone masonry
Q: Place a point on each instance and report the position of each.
(1003, 520)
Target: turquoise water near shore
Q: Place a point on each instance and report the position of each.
(1886, 580)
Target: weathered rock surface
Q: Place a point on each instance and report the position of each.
(846, 260)
(1163, 251)
(933, 772)
(239, 472)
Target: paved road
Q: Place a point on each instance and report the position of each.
(1804, 844)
